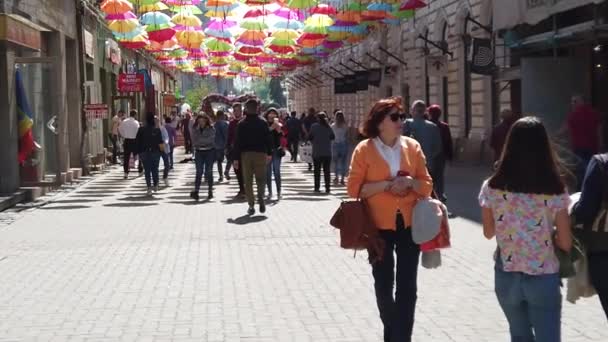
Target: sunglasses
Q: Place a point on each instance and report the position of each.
(395, 117)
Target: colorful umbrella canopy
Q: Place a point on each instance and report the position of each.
(155, 18)
(215, 44)
(153, 7)
(116, 6)
(186, 19)
(123, 26)
(412, 5)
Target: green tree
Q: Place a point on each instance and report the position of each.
(194, 97)
(276, 91)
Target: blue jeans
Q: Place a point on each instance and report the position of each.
(274, 167)
(204, 165)
(150, 160)
(166, 164)
(532, 305)
(340, 152)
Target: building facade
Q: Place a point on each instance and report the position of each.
(532, 44)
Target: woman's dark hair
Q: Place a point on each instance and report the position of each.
(322, 117)
(150, 119)
(340, 117)
(168, 119)
(528, 163)
(203, 116)
(376, 115)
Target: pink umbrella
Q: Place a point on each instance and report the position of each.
(122, 16)
(288, 14)
(219, 25)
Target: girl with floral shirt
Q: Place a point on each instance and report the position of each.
(525, 206)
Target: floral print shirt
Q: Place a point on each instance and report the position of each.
(524, 228)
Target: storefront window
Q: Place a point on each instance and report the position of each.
(37, 86)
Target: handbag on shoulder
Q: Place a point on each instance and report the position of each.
(357, 230)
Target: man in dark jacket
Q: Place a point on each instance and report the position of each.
(237, 116)
(499, 133)
(446, 154)
(294, 132)
(252, 150)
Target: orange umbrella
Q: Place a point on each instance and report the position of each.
(116, 6)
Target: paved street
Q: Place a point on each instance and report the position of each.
(104, 263)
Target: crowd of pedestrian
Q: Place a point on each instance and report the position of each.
(398, 158)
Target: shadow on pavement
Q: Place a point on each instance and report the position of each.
(75, 201)
(462, 188)
(300, 198)
(129, 205)
(247, 219)
(65, 207)
(143, 198)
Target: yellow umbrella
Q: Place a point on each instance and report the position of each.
(285, 34)
(219, 3)
(159, 6)
(219, 14)
(319, 20)
(123, 26)
(186, 19)
(190, 39)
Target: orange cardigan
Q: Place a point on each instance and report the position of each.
(368, 166)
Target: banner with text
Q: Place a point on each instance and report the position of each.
(130, 83)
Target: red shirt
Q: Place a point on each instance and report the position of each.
(583, 125)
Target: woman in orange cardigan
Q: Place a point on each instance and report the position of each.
(389, 171)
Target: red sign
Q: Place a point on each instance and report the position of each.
(131, 83)
(96, 111)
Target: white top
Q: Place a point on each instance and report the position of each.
(116, 120)
(391, 154)
(128, 128)
(339, 133)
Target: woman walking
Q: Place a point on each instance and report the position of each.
(150, 144)
(274, 167)
(172, 131)
(203, 144)
(164, 153)
(321, 136)
(389, 171)
(340, 147)
(521, 204)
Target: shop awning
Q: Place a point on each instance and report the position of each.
(18, 30)
(510, 13)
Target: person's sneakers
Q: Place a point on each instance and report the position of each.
(227, 176)
(279, 196)
(317, 191)
(156, 188)
(336, 180)
(210, 195)
(269, 196)
(220, 180)
(194, 195)
(126, 176)
(262, 206)
(240, 194)
(166, 182)
(342, 182)
(327, 191)
(251, 211)
(149, 192)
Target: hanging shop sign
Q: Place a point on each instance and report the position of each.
(437, 66)
(113, 52)
(20, 31)
(130, 83)
(96, 111)
(361, 78)
(88, 44)
(482, 57)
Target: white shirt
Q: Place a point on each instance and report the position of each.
(128, 128)
(339, 133)
(391, 154)
(116, 120)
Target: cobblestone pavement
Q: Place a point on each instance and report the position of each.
(105, 263)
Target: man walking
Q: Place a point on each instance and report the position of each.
(237, 116)
(307, 123)
(128, 130)
(447, 152)
(221, 139)
(426, 133)
(500, 131)
(294, 132)
(252, 149)
(116, 120)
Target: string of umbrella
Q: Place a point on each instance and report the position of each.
(248, 38)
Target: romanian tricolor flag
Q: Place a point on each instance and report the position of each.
(24, 115)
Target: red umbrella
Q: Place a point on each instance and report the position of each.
(255, 13)
(412, 5)
(324, 9)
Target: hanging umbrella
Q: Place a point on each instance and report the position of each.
(185, 19)
(255, 25)
(256, 13)
(286, 13)
(138, 42)
(318, 20)
(250, 50)
(123, 26)
(116, 6)
(218, 45)
(258, 2)
(153, 7)
(251, 37)
(412, 5)
(166, 45)
(285, 34)
(155, 18)
(190, 39)
(323, 9)
(181, 2)
(225, 34)
(329, 44)
(190, 9)
(301, 4)
(220, 25)
(219, 3)
(288, 25)
(288, 49)
(126, 15)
